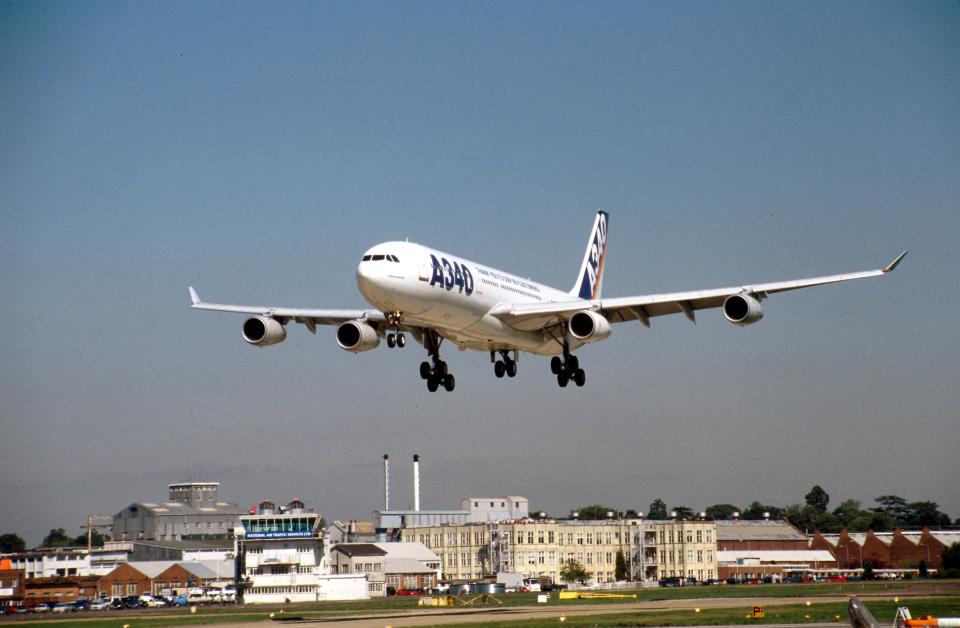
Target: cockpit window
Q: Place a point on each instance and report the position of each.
(366, 258)
(393, 258)
(378, 258)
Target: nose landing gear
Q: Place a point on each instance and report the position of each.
(436, 374)
(567, 369)
(394, 319)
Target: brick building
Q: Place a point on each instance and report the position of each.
(887, 550)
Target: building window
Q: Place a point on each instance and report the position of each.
(699, 556)
(699, 536)
(550, 537)
(709, 536)
(589, 538)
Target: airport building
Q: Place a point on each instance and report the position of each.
(388, 565)
(193, 511)
(541, 547)
(53, 562)
(284, 556)
(900, 549)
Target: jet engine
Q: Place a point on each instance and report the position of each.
(588, 326)
(742, 309)
(357, 336)
(263, 331)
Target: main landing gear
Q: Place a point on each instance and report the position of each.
(507, 366)
(436, 375)
(567, 369)
(395, 339)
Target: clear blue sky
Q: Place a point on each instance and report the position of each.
(255, 150)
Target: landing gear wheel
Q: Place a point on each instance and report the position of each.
(511, 368)
(441, 369)
(449, 382)
(391, 340)
(579, 377)
(432, 384)
(401, 341)
(562, 379)
(573, 364)
(425, 370)
(499, 369)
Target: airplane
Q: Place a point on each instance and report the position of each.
(436, 297)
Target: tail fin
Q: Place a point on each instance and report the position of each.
(590, 279)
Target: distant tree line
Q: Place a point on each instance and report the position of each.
(58, 537)
(889, 513)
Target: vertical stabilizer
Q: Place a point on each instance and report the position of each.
(590, 279)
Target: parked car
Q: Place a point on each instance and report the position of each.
(229, 594)
(43, 607)
(100, 605)
(409, 591)
(62, 607)
(81, 605)
(669, 582)
(151, 602)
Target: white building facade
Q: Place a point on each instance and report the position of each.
(285, 558)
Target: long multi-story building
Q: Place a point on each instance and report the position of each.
(541, 547)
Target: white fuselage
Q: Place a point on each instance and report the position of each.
(455, 296)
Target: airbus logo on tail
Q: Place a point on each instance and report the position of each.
(593, 263)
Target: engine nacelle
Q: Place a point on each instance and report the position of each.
(587, 326)
(742, 309)
(357, 336)
(263, 331)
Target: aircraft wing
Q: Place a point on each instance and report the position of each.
(645, 307)
(309, 317)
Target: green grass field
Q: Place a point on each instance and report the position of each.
(943, 595)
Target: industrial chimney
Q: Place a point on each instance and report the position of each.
(386, 482)
(416, 483)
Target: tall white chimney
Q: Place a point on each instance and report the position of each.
(416, 483)
(386, 482)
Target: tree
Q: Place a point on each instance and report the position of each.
(756, 511)
(96, 539)
(57, 538)
(895, 508)
(658, 509)
(11, 542)
(721, 511)
(868, 570)
(574, 572)
(951, 561)
(596, 511)
(920, 514)
(922, 569)
(620, 572)
(684, 512)
(851, 517)
(817, 498)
